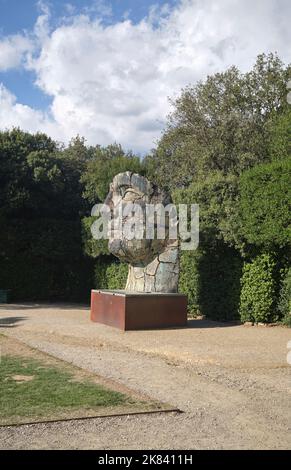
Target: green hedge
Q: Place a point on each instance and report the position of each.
(189, 279)
(284, 305)
(110, 273)
(46, 262)
(211, 280)
(258, 290)
(265, 194)
(220, 271)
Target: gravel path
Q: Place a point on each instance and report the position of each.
(232, 382)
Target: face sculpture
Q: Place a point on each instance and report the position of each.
(153, 263)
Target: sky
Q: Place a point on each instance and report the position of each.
(105, 70)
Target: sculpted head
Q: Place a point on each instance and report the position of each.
(132, 188)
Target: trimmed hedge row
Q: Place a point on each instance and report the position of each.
(211, 279)
(110, 273)
(284, 305)
(46, 262)
(258, 290)
(265, 195)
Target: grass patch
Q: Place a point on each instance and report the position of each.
(32, 389)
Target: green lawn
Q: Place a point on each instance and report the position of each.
(30, 388)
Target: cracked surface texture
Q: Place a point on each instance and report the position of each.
(153, 263)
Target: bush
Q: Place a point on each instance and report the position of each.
(264, 205)
(258, 290)
(41, 254)
(211, 280)
(280, 135)
(284, 304)
(46, 262)
(110, 273)
(219, 292)
(189, 279)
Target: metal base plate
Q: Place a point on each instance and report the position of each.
(138, 310)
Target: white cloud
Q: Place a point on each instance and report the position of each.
(13, 50)
(111, 82)
(17, 50)
(101, 7)
(42, 28)
(14, 114)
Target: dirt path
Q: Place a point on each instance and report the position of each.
(232, 382)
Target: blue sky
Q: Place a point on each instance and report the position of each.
(105, 69)
(21, 15)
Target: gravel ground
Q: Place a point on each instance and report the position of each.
(232, 382)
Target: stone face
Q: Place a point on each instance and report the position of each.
(154, 263)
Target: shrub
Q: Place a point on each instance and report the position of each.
(265, 205)
(211, 279)
(258, 290)
(43, 260)
(110, 273)
(189, 279)
(284, 304)
(219, 291)
(41, 204)
(116, 274)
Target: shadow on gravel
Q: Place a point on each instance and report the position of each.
(32, 306)
(10, 322)
(193, 323)
(210, 324)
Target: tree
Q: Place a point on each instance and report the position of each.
(106, 162)
(280, 135)
(40, 208)
(217, 196)
(221, 124)
(15, 173)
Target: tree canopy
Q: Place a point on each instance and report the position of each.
(222, 124)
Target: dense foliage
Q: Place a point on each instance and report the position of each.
(222, 124)
(41, 202)
(211, 280)
(284, 304)
(110, 273)
(257, 302)
(265, 201)
(105, 164)
(227, 147)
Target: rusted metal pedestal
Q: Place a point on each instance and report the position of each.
(138, 310)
